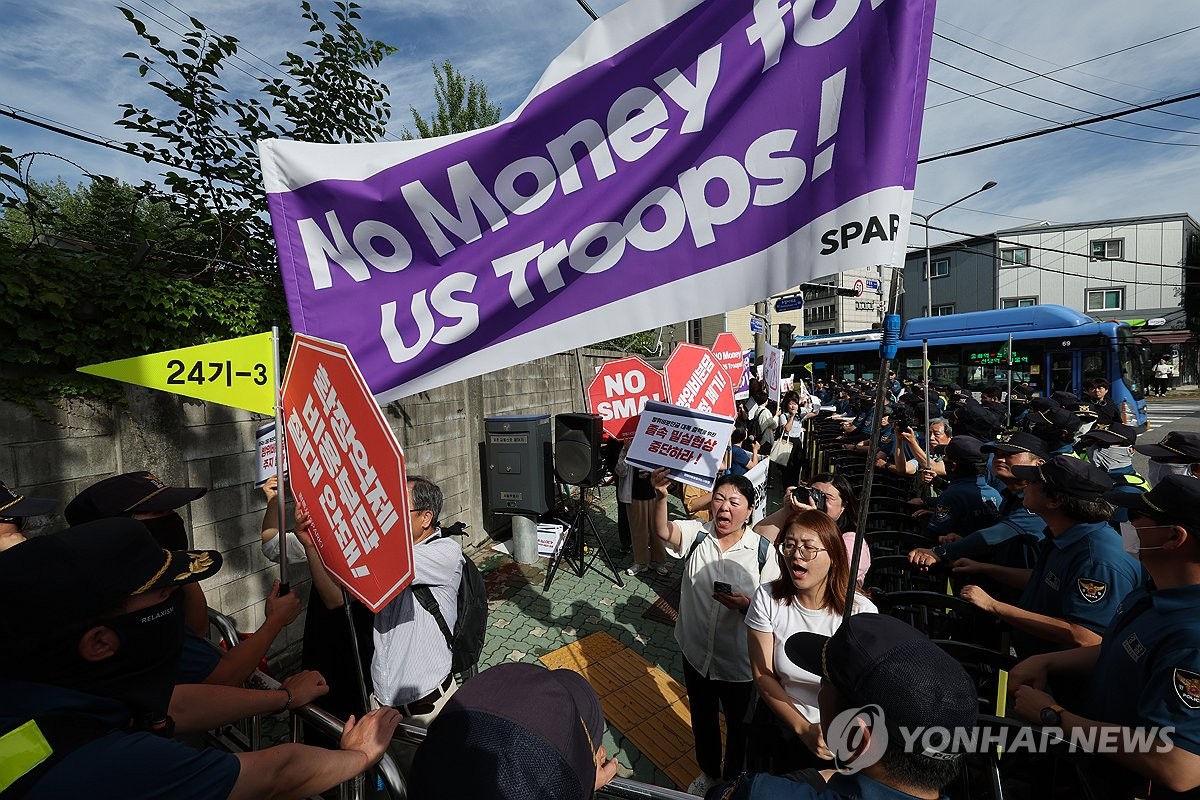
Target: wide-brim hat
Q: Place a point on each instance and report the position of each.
(74, 576)
(1068, 475)
(1114, 434)
(19, 505)
(129, 493)
(1177, 447)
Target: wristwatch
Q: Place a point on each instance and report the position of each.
(1051, 716)
(940, 552)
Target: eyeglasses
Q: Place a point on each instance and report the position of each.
(807, 551)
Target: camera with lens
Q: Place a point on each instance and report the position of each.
(901, 419)
(809, 497)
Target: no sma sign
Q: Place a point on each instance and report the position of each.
(347, 472)
(620, 391)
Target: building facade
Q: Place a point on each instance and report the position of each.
(1134, 269)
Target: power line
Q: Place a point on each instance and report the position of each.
(975, 148)
(979, 211)
(1069, 66)
(1010, 87)
(1053, 102)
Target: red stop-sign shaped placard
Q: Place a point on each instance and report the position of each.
(619, 392)
(696, 380)
(728, 351)
(347, 472)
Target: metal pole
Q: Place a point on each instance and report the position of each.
(584, 5)
(925, 377)
(928, 251)
(1010, 367)
(358, 670)
(864, 504)
(279, 485)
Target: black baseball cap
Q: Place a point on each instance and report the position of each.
(1069, 475)
(513, 731)
(1177, 447)
(1020, 442)
(1175, 500)
(19, 505)
(71, 577)
(1056, 417)
(874, 659)
(1114, 434)
(965, 449)
(129, 493)
(1067, 400)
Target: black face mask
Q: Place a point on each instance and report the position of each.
(169, 531)
(142, 672)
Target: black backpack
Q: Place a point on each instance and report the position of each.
(466, 642)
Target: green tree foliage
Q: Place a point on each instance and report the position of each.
(107, 270)
(462, 105)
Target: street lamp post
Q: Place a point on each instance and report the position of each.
(929, 301)
(928, 252)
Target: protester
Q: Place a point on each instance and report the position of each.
(876, 662)
(1082, 573)
(836, 498)
(1177, 454)
(810, 595)
(326, 645)
(516, 732)
(911, 458)
(725, 562)
(648, 549)
(741, 460)
(15, 511)
(410, 669)
(89, 668)
(1146, 673)
(790, 427)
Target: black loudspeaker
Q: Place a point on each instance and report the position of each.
(578, 459)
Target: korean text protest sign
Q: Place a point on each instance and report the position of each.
(619, 391)
(347, 472)
(681, 158)
(688, 443)
(773, 373)
(696, 379)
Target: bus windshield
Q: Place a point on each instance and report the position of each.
(1132, 362)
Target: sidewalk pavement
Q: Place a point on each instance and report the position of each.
(525, 622)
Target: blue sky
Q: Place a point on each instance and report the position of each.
(63, 61)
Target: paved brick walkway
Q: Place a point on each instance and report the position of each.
(526, 623)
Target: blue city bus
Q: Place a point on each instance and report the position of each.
(1055, 348)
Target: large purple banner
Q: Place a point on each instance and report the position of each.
(681, 158)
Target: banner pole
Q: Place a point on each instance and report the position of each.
(358, 667)
(887, 351)
(279, 485)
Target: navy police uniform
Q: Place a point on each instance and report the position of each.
(1148, 671)
(1081, 575)
(1011, 542)
(967, 505)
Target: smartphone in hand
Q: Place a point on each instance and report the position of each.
(721, 587)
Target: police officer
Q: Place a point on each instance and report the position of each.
(968, 503)
(1012, 541)
(1081, 574)
(1146, 673)
(1177, 454)
(1053, 424)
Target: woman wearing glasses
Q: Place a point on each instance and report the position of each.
(810, 595)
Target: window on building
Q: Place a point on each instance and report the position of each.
(1018, 302)
(942, 311)
(695, 331)
(1014, 256)
(1105, 299)
(819, 331)
(941, 268)
(1108, 249)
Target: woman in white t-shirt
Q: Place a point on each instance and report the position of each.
(810, 595)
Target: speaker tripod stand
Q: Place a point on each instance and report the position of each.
(575, 544)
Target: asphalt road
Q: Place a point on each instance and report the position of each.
(1174, 412)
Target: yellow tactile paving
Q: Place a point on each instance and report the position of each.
(644, 703)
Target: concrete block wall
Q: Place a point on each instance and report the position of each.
(192, 443)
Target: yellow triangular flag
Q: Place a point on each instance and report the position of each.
(235, 372)
(809, 367)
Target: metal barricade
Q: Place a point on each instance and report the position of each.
(241, 738)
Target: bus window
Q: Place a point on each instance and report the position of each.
(1061, 372)
(1132, 365)
(1094, 365)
